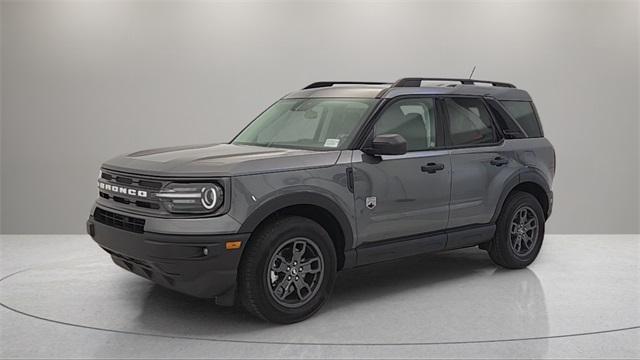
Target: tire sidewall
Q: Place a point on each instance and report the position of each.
(285, 230)
(508, 256)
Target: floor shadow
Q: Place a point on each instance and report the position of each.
(164, 310)
(371, 282)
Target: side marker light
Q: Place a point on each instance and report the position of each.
(232, 245)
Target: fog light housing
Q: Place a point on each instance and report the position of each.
(191, 198)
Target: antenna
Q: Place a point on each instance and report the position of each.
(472, 71)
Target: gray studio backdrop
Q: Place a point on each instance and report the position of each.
(84, 81)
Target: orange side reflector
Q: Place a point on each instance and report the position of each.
(231, 245)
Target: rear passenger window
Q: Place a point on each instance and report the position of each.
(522, 112)
(469, 122)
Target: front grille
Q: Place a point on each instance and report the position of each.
(139, 203)
(121, 200)
(124, 180)
(129, 180)
(123, 222)
(150, 184)
(150, 204)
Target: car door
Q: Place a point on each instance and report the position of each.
(481, 163)
(402, 195)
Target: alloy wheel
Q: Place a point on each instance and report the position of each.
(523, 231)
(295, 272)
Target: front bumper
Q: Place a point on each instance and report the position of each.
(197, 265)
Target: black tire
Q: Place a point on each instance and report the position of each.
(509, 247)
(261, 295)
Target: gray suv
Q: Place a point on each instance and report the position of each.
(336, 175)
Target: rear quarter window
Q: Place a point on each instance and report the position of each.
(525, 117)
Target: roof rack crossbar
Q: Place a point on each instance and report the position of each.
(417, 81)
(320, 84)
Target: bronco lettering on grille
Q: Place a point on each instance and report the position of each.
(122, 190)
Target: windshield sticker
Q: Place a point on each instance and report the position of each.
(331, 143)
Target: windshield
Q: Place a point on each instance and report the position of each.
(316, 124)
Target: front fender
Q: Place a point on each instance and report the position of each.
(256, 197)
(299, 198)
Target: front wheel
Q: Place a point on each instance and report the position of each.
(288, 270)
(519, 232)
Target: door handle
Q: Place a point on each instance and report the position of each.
(431, 168)
(499, 161)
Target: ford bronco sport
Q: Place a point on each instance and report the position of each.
(336, 175)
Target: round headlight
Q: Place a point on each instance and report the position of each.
(191, 198)
(209, 197)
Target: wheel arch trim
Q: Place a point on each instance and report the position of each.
(271, 206)
(528, 175)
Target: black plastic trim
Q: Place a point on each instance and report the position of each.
(300, 198)
(531, 175)
(198, 265)
(469, 236)
(424, 243)
(390, 250)
(350, 179)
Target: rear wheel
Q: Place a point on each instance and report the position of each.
(519, 232)
(288, 270)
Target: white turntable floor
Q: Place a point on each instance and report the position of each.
(62, 297)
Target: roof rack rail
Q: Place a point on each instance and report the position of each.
(320, 84)
(416, 82)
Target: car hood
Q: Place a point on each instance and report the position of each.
(218, 160)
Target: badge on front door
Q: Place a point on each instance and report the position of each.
(371, 202)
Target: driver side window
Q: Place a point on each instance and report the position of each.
(413, 119)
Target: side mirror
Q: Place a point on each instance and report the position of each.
(387, 144)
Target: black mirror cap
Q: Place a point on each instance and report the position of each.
(387, 144)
